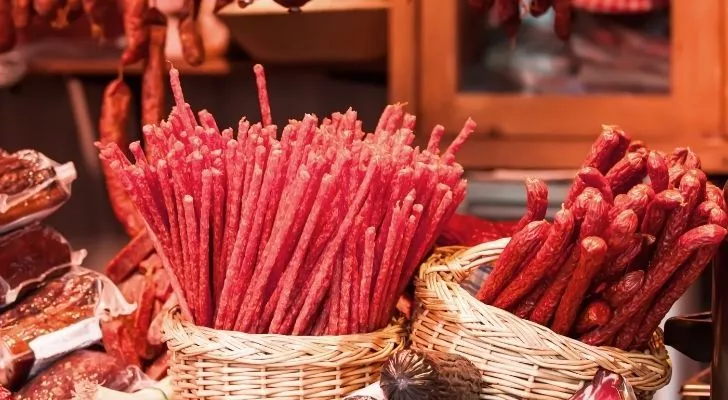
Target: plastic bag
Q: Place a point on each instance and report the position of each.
(62, 316)
(371, 392)
(32, 186)
(60, 379)
(606, 385)
(31, 255)
(88, 390)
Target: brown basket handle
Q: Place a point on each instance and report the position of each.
(456, 263)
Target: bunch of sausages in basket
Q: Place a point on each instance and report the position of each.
(621, 250)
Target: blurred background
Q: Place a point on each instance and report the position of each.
(654, 67)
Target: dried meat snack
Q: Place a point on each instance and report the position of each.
(594, 315)
(32, 187)
(233, 216)
(592, 252)
(41, 328)
(520, 249)
(31, 255)
(58, 381)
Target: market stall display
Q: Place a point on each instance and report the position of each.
(51, 308)
(289, 268)
(635, 231)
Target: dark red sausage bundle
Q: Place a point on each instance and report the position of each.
(645, 226)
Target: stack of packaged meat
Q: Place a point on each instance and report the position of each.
(51, 308)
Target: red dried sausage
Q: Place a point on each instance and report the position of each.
(520, 249)
(707, 235)
(153, 88)
(524, 308)
(112, 128)
(715, 194)
(627, 173)
(595, 314)
(619, 237)
(657, 171)
(22, 11)
(636, 200)
(592, 252)
(692, 160)
(593, 178)
(136, 32)
(546, 305)
(678, 156)
(189, 35)
(605, 150)
(657, 210)
(676, 173)
(637, 146)
(544, 262)
(692, 185)
(595, 211)
(562, 18)
(627, 333)
(625, 259)
(7, 27)
(537, 202)
(675, 288)
(702, 213)
(623, 290)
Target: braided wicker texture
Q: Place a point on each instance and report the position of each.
(210, 364)
(517, 358)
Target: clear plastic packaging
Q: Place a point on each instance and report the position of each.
(60, 380)
(32, 186)
(606, 385)
(31, 255)
(60, 317)
(371, 392)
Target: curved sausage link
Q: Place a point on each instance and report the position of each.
(7, 27)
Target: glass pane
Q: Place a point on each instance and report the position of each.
(607, 53)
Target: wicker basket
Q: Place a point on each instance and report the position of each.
(517, 358)
(212, 364)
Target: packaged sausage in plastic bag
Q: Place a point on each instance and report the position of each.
(61, 316)
(606, 385)
(371, 392)
(429, 375)
(32, 186)
(65, 377)
(89, 390)
(31, 255)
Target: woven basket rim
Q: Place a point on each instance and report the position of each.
(451, 304)
(284, 351)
